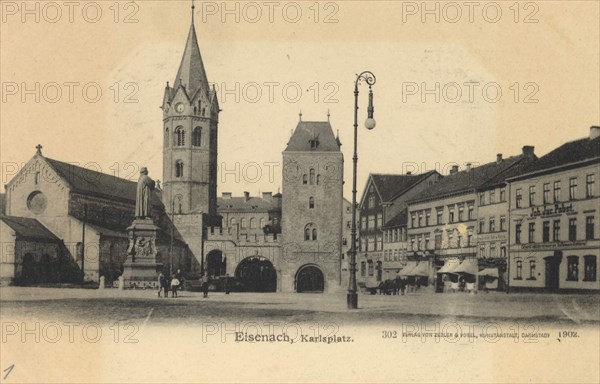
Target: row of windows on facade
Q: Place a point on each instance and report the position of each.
(551, 231)
(589, 268)
(456, 214)
(251, 223)
(492, 197)
(371, 221)
(369, 267)
(554, 195)
(418, 243)
(311, 178)
(179, 137)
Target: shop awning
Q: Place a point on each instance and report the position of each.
(449, 266)
(491, 272)
(421, 270)
(407, 271)
(468, 266)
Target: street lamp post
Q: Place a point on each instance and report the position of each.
(369, 78)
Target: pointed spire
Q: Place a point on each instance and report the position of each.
(193, 6)
(191, 71)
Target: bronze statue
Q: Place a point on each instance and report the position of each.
(145, 186)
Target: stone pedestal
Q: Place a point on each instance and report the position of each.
(141, 265)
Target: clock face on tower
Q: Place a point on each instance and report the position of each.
(179, 107)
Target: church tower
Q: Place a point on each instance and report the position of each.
(190, 126)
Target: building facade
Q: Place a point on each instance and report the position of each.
(384, 197)
(444, 222)
(313, 173)
(554, 218)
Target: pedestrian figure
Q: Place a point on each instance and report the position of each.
(227, 284)
(162, 285)
(205, 284)
(174, 285)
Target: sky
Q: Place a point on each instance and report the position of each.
(455, 83)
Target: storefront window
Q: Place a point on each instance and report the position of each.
(573, 268)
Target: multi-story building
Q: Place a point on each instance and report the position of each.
(554, 219)
(384, 197)
(251, 213)
(313, 173)
(395, 245)
(443, 221)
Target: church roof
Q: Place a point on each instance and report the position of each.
(313, 130)
(191, 73)
(90, 182)
(28, 228)
(2, 203)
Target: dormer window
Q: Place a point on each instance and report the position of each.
(314, 143)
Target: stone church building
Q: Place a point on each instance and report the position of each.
(59, 219)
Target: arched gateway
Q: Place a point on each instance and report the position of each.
(309, 278)
(256, 274)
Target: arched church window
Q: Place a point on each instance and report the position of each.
(233, 222)
(318, 179)
(304, 179)
(243, 223)
(179, 168)
(311, 202)
(310, 232)
(262, 223)
(312, 176)
(252, 223)
(197, 137)
(179, 136)
(166, 137)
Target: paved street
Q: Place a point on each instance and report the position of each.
(105, 336)
(189, 308)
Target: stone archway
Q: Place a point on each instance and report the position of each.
(310, 279)
(256, 274)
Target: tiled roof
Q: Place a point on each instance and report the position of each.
(239, 204)
(28, 228)
(191, 71)
(468, 180)
(398, 220)
(87, 181)
(568, 153)
(518, 168)
(313, 130)
(391, 186)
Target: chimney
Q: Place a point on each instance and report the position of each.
(528, 150)
(499, 158)
(594, 132)
(246, 196)
(454, 169)
(468, 166)
(268, 196)
(226, 195)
